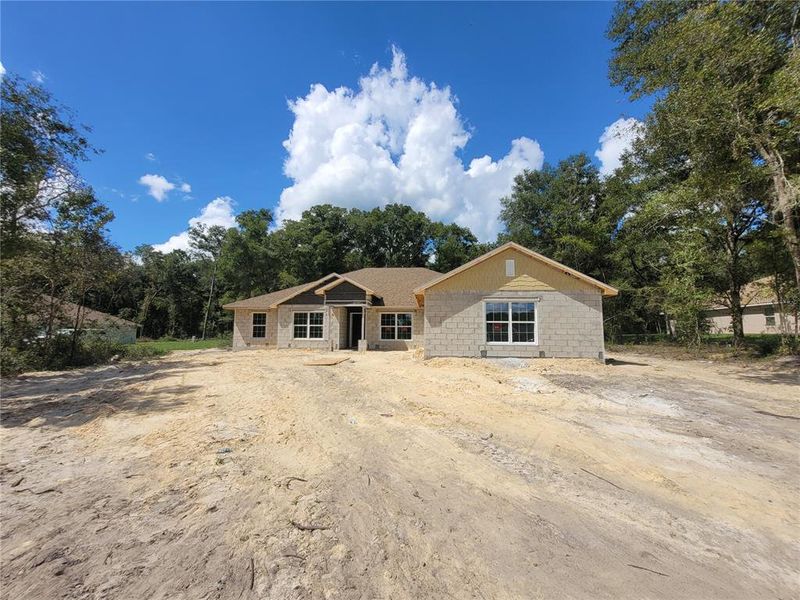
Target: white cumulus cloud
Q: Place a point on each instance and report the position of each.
(150, 156)
(2, 70)
(159, 186)
(217, 212)
(617, 139)
(395, 139)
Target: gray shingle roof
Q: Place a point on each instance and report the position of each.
(266, 300)
(394, 285)
(89, 318)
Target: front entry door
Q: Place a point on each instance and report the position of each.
(355, 329)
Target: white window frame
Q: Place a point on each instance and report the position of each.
(308, 325)
(253, 326)
(509, 301)
(396, 326)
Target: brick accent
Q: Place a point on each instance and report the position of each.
(570, 324)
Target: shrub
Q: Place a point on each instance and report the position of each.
(139, 352)
(56, 354)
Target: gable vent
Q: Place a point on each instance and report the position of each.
(510, 268)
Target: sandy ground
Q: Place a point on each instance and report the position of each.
(214, 474)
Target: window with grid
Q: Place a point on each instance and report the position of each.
(308, 325)
(396, 326)
(511, 322)
(259, 325)
(769, 314)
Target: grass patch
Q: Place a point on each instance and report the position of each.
(714, 346)
(160, 347)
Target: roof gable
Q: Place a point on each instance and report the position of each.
(341, 279)
(272, 299)
(533, 269)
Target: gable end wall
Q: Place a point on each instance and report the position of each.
(569, 311)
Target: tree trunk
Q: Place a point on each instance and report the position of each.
(210, 295)
(732, 245)
(149, 296)
(737, 324)
(51, 316)
(76, 330)
(787, 205)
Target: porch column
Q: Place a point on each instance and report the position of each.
(362, 343)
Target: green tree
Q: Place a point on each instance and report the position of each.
(393, 236)
(725, 76)
(452, 245)
(55, 246)
(208, 242)
(248, 263)
(86, 258)
(39, 147)
(172, 302)
(315, 245)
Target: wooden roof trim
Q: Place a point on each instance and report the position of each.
(605, 288)
(342, 279)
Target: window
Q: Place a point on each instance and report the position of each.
(259, 325)
(510, 268)
(395, 326)
(769, 314)
(308, 325)
(514, 319)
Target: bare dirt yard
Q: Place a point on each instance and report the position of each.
(214, 474)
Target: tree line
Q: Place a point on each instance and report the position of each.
(705, 202)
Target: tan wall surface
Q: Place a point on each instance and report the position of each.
(754, 321)
(530, 275)
(243, 329)
(569, 324)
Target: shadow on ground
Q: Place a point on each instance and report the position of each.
(784, 377)
(73, 398)
(615, 362)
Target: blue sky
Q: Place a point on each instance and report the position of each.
(203, 88)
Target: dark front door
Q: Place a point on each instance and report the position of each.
(355, 329)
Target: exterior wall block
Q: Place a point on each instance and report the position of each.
(569, 324)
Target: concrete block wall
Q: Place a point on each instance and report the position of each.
(373, 330)
(285, 336)
(569, 324)
(243, 329)
(338, 328)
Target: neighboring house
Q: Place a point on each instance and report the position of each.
(91, 323)
(762, 312)
(509, 302)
